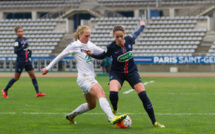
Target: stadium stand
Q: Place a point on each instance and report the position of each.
(174, 27)
(138, 3)
(211, 51)
(163, 36)
(39, 4)
(102, 36)
(41, 35)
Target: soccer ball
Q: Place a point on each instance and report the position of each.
(126, 123)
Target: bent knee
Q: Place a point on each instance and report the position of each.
(32, 76)
(92, 106)
(16, 79)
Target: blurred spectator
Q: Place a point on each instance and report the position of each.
(106, 64)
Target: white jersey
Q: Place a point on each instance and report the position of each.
(83, 61)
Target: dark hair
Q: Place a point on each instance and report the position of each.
(118, 28)
(17, 28)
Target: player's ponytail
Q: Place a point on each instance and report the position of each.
(80, 30)
(118, 28)
(17, 28)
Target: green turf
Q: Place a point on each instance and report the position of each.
(183, 105)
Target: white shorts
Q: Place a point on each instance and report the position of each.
(86, 82)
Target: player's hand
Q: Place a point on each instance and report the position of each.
(142, 23)
(88, 52)
(25, 46)
(44, 71)
(29, 53)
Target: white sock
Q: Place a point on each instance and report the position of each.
(106, 107)
(79, 110)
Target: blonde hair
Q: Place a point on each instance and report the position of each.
(80, 30)
(17, 28)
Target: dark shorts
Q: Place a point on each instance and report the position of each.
(20, 66)
(133, 78)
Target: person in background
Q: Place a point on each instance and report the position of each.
(22, 61)
(106, 63)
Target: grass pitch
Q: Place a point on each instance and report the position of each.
(185, 105)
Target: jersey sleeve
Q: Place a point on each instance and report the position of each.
(137, 33)
(132, 39)
(97, 50)
(108, 50)
(17, 47)
(64, 53)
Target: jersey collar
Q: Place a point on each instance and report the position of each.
(80, 43)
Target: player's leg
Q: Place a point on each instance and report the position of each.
(91, 104)
(114, 87)
(147, 104)
(116, 82)
(97, 91)
(10, 83)
(31, 73)
(135, 82)
(18, 70)
(145, 100)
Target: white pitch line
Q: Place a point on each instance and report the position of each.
(161, 114)
(131, 90)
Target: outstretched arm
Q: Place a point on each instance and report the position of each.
(137, 33)
(96, 56)
(58, 58)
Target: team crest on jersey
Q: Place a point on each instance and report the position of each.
(88, 58)
(129, 46)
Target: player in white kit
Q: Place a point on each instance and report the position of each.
(86, 75)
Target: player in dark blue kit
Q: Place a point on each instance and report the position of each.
(22, 61)
(123, 68)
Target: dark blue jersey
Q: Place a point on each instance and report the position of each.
(116, 51)
(22, 53)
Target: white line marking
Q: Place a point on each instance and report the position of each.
(127, 92)
(161, 114)
(131, 90)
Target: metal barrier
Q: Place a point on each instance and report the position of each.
(69, 64)
(36, 65)
(2, 64)
(73, 65)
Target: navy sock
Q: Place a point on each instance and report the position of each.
(114, 99)
(10, 83)
(147, 105)
(34, 81)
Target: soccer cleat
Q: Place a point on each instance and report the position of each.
(72, 121)
(4, 93)
(40, 94)
(115, 112)
(117, 118)
(156, 124)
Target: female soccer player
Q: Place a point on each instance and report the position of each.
(86, 76)
(22, 61)
(123, 68)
